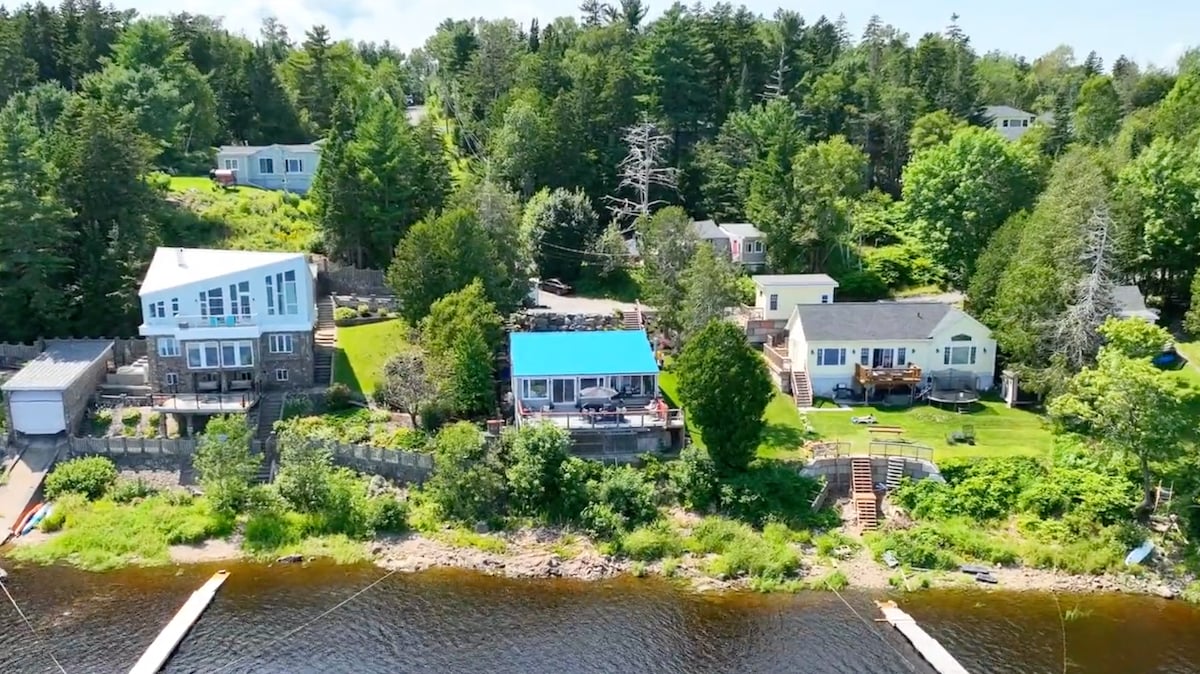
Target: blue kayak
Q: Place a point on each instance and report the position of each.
(37, 518)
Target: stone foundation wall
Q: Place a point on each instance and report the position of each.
(298, 363)
(837, 471)
(352, 281)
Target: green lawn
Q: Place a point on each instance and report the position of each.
(363, 350)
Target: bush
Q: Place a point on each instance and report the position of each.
(128, 490)
(364, 310)
(338, 397)
(386, 514)
(344, 314)
(694, 478)
(652, 542)
(771, 490)
(297, 405)
(131, 417)
(862, 286)
(621, 499)
(88, 475)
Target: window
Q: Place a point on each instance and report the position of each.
(562, 391)
(281, 375)
(535, 388)
(864, 357)
(174, 306)
(293, 166)
(243, 376)
(1024, 122)
(958, 355)
(237, 354)
(831, 356)
(203, 355)
(172, 379)
(168, 347)
(280, 343)
(231, 164)
(824, 299)
(239, 298)
(590, 382)
(773, 302)
(901, 357)
(212, 303)
(266, 165)
(754, 246)
(156, 310)
(1004, 123)
(281, 294)
(637, 385)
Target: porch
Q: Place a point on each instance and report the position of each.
(599, 418)
(204, 403)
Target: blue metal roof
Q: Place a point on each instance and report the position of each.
(565, 354)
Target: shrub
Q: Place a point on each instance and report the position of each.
(652, 542)
(534, 467)
(131, 417)
(344, 314)
(694, 478)
(364, 310)
(338, 397)
(386, 514)
(298, 405)
(771, 490)
(861, 285)
(622, 498)
(88, 475)
(153, 420)
(101, 420)
(127, 490)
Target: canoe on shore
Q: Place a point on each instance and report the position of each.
(37, 518)
(28, 514)
(1140, 553)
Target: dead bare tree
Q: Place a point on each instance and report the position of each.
(1076, 337)
(642, 171)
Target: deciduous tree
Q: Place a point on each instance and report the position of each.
(223, 461)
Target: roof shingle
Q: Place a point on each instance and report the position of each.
(871, 320)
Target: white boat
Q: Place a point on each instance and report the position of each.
(1140, 553)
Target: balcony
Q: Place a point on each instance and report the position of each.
(238, 321)
(623, 418)
(887, 376)
(778, 357)
(204, 403)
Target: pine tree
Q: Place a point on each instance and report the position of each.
(33, 238)
(335, 191)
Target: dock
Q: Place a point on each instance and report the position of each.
(927, 646)
(168, 640)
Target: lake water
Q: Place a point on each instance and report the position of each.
(459, 622)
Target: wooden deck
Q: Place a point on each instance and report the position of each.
(627, 419)
(887, 376)
(778, 357)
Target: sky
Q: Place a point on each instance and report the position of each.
(1157, 34)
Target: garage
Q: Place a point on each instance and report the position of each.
(37, 412)
(50, 393)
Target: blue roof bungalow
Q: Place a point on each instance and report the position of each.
(601, 385)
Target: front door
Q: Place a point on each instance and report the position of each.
(883, 358)
(562, 391)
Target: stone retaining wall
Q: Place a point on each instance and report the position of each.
(373, 302)
(837, 471)
(550, 322)
(352, 281)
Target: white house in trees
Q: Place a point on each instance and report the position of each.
(1009, 121)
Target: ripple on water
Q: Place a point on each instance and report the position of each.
(456, 622)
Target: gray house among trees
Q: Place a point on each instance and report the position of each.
(273, 167)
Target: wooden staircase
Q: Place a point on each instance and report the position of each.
(324, 343)
(895, 471)
(635, 318)
(862, 491)
(801, 389)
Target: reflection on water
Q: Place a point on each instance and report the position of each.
(457, 622)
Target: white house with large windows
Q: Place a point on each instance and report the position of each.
(274, 167)
(851, 345)
(228, 322)
(1008, 121)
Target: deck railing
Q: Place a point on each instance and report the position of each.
(875, 448)
(192, 322)
(197, 402)
(778, 357)
(630, 417)
(887, 375)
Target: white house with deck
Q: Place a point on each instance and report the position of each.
(223, 325)
(273, 167)
(859, 350)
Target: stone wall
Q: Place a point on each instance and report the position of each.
(352, 281)
(132, 447)
(550, 322)
(298, 363)
(78, 395)
(837, 471)
(125, 350)
(13, 355)
(373, 302)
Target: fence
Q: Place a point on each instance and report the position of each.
(116, 447)
(396, 464)
(125, 350)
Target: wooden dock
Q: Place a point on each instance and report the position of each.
(927, 646)
(168, 640)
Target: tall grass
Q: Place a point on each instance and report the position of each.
(103, 535)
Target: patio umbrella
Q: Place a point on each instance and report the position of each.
(602, 392)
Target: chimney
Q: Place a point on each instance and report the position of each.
(179, 257)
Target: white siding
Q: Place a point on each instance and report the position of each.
(788, 297)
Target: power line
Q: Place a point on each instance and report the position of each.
(33, 631)
(304, 625)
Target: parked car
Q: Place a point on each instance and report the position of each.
(553, 285)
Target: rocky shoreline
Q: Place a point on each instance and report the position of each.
(552, 554)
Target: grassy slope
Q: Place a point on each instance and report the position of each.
(363, 350)
(243, 218)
